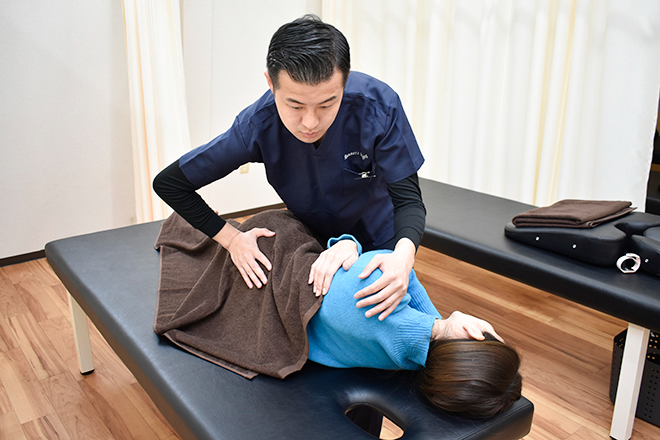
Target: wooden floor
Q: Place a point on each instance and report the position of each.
(566, 352)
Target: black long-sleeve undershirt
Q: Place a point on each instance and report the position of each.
(175, 189)
(409, 209)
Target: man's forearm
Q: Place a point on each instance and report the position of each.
(407, 248)
(226, 235)
(175, 189)
(409, 210)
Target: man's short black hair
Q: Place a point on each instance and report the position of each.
(309, 50)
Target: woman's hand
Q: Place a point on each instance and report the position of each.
(387, 291)
(342, 254)
(245, 253)
(462, 326)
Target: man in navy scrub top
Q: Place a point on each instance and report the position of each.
(338, 149)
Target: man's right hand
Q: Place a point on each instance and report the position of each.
(245, 253)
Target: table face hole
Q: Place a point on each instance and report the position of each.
(374, 422)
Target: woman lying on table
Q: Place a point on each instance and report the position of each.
(463, 364)
(206, 308)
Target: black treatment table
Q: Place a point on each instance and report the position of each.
(469, 226)
(112, 278)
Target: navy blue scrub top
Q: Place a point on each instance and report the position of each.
(339, 188)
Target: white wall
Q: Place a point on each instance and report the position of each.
(224, 50)
(65, 134)
(66, 166)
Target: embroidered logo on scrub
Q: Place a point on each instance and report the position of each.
(359, 175)
(356, 153)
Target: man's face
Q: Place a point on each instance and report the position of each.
(308, 111)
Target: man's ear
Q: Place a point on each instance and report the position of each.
(270, 82)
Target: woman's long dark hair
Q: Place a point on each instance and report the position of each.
(479, 379)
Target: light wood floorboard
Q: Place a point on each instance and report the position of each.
(566, 351)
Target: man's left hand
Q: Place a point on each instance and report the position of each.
(342, 254)
(386, 292)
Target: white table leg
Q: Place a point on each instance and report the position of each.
(630, 381)
(81, 334)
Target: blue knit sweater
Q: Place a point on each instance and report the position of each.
(341, 336)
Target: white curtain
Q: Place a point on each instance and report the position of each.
(157, 95)
(532, 100)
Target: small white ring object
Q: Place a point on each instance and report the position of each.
(629, 263)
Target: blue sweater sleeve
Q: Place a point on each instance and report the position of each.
(419, 298)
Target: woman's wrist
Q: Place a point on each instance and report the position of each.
(437, 332)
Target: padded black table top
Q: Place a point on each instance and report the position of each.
(114, 276)
(469, 226)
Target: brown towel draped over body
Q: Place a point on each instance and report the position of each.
(205, 307)
(571, 213)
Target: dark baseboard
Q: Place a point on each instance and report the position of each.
(22, 258)
(42, 253)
